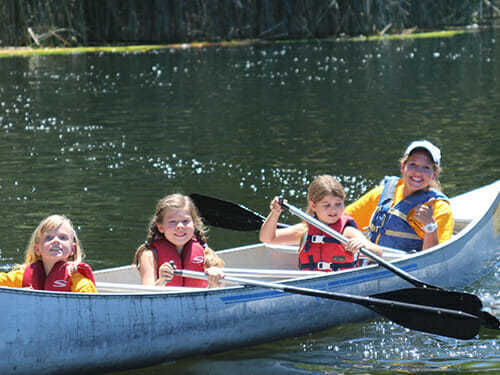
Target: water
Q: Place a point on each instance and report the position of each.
(102, 137)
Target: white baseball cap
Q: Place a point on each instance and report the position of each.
(428, 146)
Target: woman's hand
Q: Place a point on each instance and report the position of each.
(215, 274)
(423, 213)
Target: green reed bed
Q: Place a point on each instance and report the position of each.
(92, 22)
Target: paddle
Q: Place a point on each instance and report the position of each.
(228, 215)
(220, 213)
(440, 321)
(470, 303)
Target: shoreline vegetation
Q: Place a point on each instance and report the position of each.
(39, 51)
(41, 27)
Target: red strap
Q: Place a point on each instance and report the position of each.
(86, 271)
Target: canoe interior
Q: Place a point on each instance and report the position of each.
(251, 258)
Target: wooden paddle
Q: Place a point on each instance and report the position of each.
(440, 321)
(229, 215)
(470, 302)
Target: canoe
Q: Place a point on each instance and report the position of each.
(128, 325)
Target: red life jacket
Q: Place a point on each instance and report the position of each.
(193, 258)
(58, 279)
(321, 252)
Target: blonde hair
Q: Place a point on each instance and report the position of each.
(435, 184)
(321, 187)
(48, 224)
(172, 201)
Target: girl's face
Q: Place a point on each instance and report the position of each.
(177, 226)
(56, 245)
(329, 209)
(417, 172)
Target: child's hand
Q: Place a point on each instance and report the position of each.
(275, 206)
(354, 244)
(215, 274)
(165, 273)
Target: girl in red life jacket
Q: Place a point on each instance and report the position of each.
(53, 260)
(176, 233)
(318, 250)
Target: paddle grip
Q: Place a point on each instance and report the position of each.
(282, 203)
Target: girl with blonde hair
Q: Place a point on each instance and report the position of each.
(53, 260)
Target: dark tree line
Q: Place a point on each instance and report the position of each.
(88, 22)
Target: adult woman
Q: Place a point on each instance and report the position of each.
(408, 212)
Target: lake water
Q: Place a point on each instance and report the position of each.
(102, 137)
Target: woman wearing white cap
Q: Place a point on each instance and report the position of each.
(407, 212)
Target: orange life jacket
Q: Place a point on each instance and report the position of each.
(321, 252)
(193, 258)
(58, 279)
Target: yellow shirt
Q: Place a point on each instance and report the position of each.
(363, 209)
(79, 283)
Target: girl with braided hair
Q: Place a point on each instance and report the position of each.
(176, 233)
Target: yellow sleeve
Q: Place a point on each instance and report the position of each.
(362, 209)
(81, 284)
(444, 219)
(14, 278)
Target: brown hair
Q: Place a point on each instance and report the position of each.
(172, 201)
(435, 184)
(321, 187)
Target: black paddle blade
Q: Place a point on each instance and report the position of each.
(224, 214)
(445, 324)
(489, 321)
(460, 301)
(441, 324)
(445, 299)
(436, 320)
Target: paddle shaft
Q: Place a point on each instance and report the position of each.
(325, 228)
(471, 303)
(440, 321)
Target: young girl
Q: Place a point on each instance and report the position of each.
(53, 260)
(318, 250)
(408, 212)
(176, 233)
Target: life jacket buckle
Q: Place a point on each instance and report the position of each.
(317, 238)
(323, 266)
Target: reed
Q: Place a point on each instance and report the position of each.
(89, 22)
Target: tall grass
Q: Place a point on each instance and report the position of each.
(87, 22)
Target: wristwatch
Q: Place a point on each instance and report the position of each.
(431, 227)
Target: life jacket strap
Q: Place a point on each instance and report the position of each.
(318, 238)
(393, 233)
(326, 266)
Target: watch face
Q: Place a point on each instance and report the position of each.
(431, 227)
